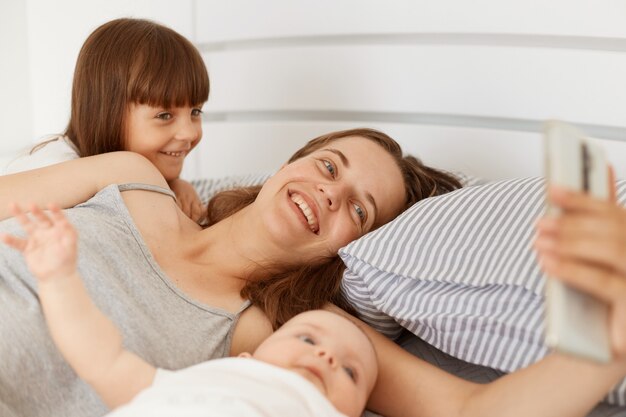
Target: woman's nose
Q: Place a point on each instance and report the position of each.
(332, 195)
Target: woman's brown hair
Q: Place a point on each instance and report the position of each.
(130, 61)
(291, 290)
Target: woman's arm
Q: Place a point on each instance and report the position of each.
(73, 182)
(88, 340)
(557, 386)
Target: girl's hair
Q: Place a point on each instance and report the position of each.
(130, 61)
(291, 290)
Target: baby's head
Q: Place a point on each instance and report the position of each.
(329, 351)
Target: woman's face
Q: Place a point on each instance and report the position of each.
(336, 194)
(164, 136)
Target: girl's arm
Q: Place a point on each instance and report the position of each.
(73, 182)
(88, 340)
(556, 386)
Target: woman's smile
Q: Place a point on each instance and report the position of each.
(307, 210)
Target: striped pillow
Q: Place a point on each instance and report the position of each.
(459, 272)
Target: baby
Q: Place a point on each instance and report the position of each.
(317, 364)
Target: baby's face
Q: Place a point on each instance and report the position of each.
(330, 352)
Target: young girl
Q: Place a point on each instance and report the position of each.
(138, 86)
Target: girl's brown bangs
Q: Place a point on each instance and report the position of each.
(170, 75)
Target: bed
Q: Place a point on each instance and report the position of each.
(466, 87)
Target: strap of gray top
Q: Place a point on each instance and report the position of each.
(146, 187)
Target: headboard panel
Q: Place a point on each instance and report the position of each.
(465, 86)
(260, 147)
(485, 81)
(251, 19)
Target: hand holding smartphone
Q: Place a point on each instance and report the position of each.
(576, 322)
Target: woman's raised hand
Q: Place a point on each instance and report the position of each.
(585, 247)
(49, 248)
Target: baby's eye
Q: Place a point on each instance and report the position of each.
(350, 372)
(164, 116)
(359, 211)
(196, 112)
(306, 339)
(330, 167)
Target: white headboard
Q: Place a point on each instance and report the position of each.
(463, 85)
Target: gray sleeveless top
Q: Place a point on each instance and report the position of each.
(158, 322)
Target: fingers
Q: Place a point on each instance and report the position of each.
(185, 206)
(591, 237)
(42, 219)
(57, 216)
(609, 225)
(576, 201)
(197, 211)
(605, 253)
(618, 329)
(13, 241)
(612, 185)
(192, 207)
(38, 218)
(603, 283)
(21, 218)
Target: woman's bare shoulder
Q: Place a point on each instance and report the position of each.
(252, 328)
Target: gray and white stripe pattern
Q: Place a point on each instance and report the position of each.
(459, 272)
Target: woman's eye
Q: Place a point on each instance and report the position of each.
(360, 212)
(330, 167)
(350, 373)
(307, 339)
(164, 116)
(196, 112)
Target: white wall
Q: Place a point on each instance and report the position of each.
(462, 84)
(57, 30)
(15, 105)
(39, 43)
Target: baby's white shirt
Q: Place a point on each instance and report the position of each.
(229, 387)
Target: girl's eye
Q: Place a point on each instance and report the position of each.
(196, 112)
(330, 167)
(164, 116)
(307, 339)
(360, 212)
(350, 373)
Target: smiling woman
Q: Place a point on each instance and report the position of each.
(373, 179)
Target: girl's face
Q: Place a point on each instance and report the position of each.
(164, 136)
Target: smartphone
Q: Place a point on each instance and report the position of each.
(576, 322)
